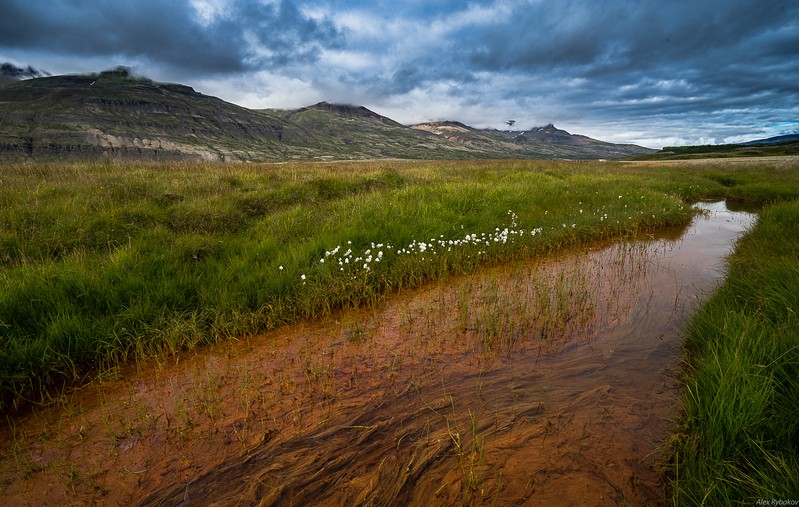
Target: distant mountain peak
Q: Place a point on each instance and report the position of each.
(118, 71)
(347, 110)
(439, 127)
(548, 128)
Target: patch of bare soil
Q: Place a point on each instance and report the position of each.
(548, 382)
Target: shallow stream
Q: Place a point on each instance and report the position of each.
(547, 382)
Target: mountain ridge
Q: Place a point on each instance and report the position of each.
(773, 140)
(115, 114)
(546, 142)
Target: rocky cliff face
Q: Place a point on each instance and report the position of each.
(117, 114)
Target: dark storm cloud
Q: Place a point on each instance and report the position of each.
(646, 57)
(283, 31)
(630, 55)
(621, 34)
(708, 45)
(10, 72)
(250, 33)
(420, 73)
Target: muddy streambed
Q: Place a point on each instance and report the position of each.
(547, 382)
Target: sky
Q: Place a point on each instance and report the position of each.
(649, 72)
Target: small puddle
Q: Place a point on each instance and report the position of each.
(547, 382)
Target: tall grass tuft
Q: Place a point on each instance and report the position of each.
(739, 440)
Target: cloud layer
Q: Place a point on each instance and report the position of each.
(644, 71)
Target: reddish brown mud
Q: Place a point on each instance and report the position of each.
(548, 382)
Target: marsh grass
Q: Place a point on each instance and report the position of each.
(104, 263)
(737, 442)
(468, 445)
(502, 314)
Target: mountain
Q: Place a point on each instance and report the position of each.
(351, 132)
(539, 142)
(117, 114)
(774, 140)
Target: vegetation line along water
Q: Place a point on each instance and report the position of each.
(218, 312)
(547, 379)
(102, 264)
(737, 442)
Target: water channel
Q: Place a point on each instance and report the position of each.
(551, 382)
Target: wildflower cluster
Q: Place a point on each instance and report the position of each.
(351, 261)
(371, 255)
(345, 259)
(498, 236)
(624, 209)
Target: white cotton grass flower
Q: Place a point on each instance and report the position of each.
(373, 252)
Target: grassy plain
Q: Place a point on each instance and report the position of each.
(788, 148)
(105, 263)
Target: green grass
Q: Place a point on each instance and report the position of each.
(739, 440)
(101, 264)
(724, 151)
